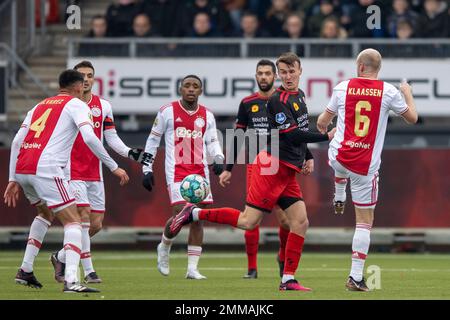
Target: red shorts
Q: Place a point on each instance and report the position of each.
(249, 176)
(264, 191)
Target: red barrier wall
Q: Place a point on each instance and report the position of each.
(414, 192)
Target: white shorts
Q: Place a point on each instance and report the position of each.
(364, 189)
(54, 192)
(176, 198)
(89, 194)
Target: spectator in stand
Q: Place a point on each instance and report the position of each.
(434, 22)
(142, 26)
(99, 27)
(235, 9)
(401, 11)
(331, 29)
(404, 29)
(260, 7)
(120, 17)
(294, 26)
(220, 18)
(202, 27)
(276, 16)
(165, 16)
(326, 10)
(250, 27)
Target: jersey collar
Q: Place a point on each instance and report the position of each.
(188, 111)
(281, 89)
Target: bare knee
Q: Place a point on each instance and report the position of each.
(299, 226)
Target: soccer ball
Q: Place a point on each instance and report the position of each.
(194, 188)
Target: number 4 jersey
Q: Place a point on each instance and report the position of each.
(362, 106)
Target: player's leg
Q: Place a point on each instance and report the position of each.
(364, 193)
(194, 249)
(283, 233)
(38, 230)
(251, 240)
(341, 176)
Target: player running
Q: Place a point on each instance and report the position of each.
(86, 174)
(39, 152)
(190, 135)
(362, 105)
(288, 116)
(252, 115)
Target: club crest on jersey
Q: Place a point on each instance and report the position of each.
(199, 122)
(280, 118)
(96, 112)
(296, 107)
(255, 108)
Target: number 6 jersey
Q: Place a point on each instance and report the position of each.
(362, 106)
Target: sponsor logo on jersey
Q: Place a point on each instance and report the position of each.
(296, 107)
(199, 122)
(182, 132)
(96, 112)
(255, 108)
(359, 145)
(34, 145)
(280, 118)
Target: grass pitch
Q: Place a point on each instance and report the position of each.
(133, 275)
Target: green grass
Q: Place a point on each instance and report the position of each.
(133, 275)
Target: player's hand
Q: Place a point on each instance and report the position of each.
(405, 88)
(331, 134)
(140, 156)
(308, 167)
(218, 165)
(148, 181)
(321, 126)
(225, 178)
(11, 195)
(122, 175)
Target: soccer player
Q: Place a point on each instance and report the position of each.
(86, 174)
(39, 152)
(190, 135)
(252, 115)
(362, 105)
(288, 116)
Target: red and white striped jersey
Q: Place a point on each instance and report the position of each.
(84, 165)
(52, 128)
(362, 106)
(190, 136)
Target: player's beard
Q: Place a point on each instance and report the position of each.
(266, 88)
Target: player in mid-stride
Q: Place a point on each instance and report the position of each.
(362, 106)
(273, 181)
(190, 136)
(39, 152)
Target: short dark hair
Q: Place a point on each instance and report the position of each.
(192, 76)
(266, 62)
(69, 77)
(288, 58)
(84, 64)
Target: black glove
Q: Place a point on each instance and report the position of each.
(140, 156)
(218, 165)
(148, 181)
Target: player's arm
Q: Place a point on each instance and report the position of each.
(82, 117)
(308, 166)
(113, 140)
(151, 147)
(410, 115)
(236, 144)
(213, 145)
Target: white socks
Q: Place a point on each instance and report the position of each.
(86, 260)
(195, 212)
(38, 230)
(360, 248)
(194, 253)
(72, 245)
(287, 277)
(340, 185)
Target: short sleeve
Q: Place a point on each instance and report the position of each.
(398, 104)
(280, 116)
(159, 125)
(333, 104)
(242, 117)
(80, 112)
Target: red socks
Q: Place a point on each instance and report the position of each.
(294, 247)
(283, 236)
(251, 246)
(228, 216)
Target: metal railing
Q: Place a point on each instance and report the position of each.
(247, 48)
